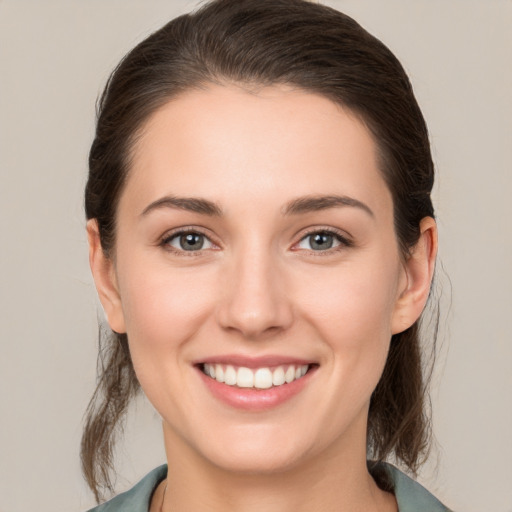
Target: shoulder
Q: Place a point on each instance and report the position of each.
(410, 495)
(137, 499)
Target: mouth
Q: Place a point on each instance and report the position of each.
(258, 384)
(256, 378)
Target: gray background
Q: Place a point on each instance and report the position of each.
(54, 59)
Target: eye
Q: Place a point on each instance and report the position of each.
(189, 241)
(320, 241)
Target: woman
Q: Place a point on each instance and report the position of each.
(263, 243)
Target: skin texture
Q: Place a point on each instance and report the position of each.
(258, 288)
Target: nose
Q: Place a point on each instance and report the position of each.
(253, 301)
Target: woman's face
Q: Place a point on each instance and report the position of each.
(255, 241)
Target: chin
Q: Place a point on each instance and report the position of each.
(249, 453)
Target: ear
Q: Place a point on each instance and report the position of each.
(103, 272)
(419, 271)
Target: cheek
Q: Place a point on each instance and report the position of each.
(353, 315)
(162, 308)
(352, 305)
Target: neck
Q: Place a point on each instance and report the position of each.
(334, 481)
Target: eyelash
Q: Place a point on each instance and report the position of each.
(339, 236)
(168, 237)
(344, 242)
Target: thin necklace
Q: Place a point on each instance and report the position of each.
(163, 497)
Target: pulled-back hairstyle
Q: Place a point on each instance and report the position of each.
(260, 43)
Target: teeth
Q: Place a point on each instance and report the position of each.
(244, 378)
(219, 373)
(261, 378)
(289, 376)
(229, 376)
(278, 376)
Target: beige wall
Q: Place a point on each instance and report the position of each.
(54, 58)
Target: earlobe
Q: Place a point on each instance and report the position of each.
(419, 270)
(103, 272)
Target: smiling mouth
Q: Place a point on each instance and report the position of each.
(256, 378)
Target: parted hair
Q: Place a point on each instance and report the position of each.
(258, 43)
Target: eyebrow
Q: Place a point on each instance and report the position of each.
(297, 206)
(317, 203)
(191, 204)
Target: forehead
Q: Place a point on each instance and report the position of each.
(225, 142)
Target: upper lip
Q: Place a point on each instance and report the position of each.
(254, 362)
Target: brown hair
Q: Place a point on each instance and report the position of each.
(258, 43)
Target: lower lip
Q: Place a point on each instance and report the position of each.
(251, 399)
